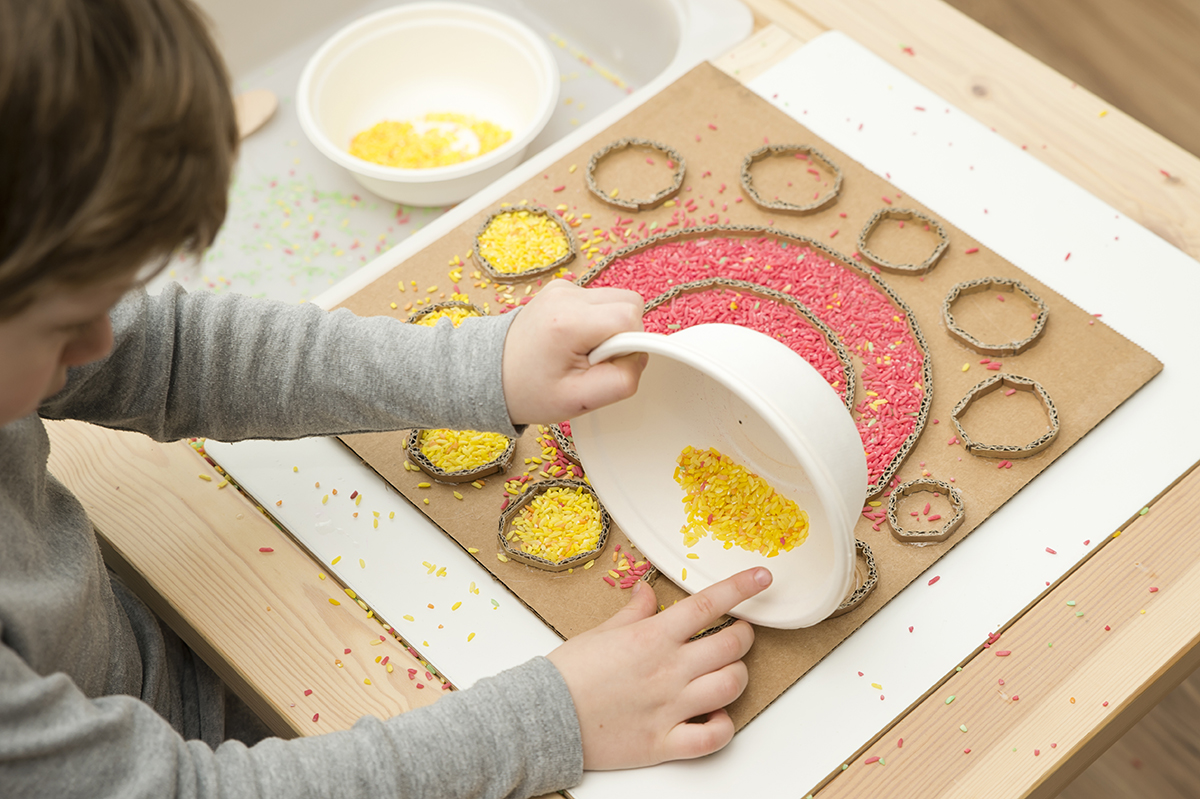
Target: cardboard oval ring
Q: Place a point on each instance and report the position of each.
(924, 537)
(772, 150)
(904, 215)
(864, 587)
(995, 383)
(510, 513)
(500, 464)
(989, 284)
(644, 203)
(500, 276)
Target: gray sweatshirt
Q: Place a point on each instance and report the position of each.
(99, 699)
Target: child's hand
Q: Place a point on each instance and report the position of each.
(636, 679)
(546, 373)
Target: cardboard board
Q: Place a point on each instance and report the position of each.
(1086, 367)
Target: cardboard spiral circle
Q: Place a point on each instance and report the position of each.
(879, 484)
(865, 586)
(989, 284)
(771, 150)
(510, 513)
(758, 290)
(642, 203)
(991, 385)
(500, 464)
(496, 274)
(922, 537)
(903, 215)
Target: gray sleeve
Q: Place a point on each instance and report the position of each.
(232, 367)
(512, 735)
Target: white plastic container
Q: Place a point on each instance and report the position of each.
(403, 62)
(757, 401)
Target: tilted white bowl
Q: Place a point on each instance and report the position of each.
(759, 402)
(403, 62)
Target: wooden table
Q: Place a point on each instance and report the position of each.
(193, 551)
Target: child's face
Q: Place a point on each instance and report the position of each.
(64, 327)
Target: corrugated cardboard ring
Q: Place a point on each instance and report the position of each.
(996, 383)
(566, 444)
(722, 623)
(500, 464)
(989, 284)
(530, 494)
(864, 584)
(903, 214)
(749, 231)
(923, 537)
(496, 274)
(764, 292)
(419, 314)
(644, 203)
(771, 150)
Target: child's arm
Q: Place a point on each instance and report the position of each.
(632, 683)
(233, 368)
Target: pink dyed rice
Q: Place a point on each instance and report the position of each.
(865, 319)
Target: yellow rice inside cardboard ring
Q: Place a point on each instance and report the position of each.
(578, 525)
(523, 241)
(453, 310)
(457, 454)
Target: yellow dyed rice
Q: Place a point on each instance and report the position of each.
(454, 313)
(736, 506)
(558, 524)
(461, 450)
(518, 241)
(438, 139)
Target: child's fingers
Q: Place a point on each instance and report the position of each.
(609, 382)
(713, 691)
(702, 609)
(595, 324)
(686, 741)
(642, 605)
(600, 296)
(719, 650)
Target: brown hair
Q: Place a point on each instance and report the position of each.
(117, 139)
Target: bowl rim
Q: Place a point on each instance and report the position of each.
(539, 49)
(844, 552)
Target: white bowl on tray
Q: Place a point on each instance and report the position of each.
(404, 62)
(751, 398)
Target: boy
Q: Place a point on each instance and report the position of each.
(116, 143)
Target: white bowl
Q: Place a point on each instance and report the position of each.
(404, 62)
(758, 401)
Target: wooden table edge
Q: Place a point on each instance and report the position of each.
(1143, 175)
(1045, 615)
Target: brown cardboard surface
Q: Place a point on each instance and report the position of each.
(1086, 367)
